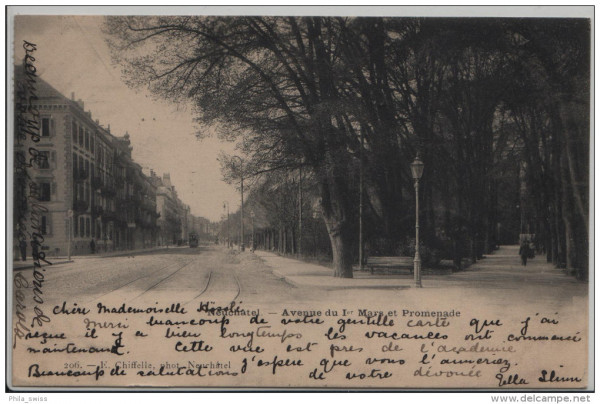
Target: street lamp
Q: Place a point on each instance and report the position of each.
(242, 208)
(252, 217)
(417, 171)
(228, 234)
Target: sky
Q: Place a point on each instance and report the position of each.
(72, 56)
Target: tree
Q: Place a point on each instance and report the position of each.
(317, 93)
(271, 82)
(549, 102)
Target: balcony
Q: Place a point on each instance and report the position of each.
(97, 210)
(148, 205)
(147, 223)
(81, 175)
(134, 199)
(80, 206)
(96, 182)
(121, 216)
(108, 216)
(108, 191)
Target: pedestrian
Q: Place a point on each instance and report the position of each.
(34, 249)
(524, 252)
(531, 250)
(23, 248)
(93, 246)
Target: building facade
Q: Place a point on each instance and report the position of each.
(87, 186)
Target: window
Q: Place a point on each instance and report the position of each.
(45, 225)
(87, 227)
(87, 166)
(46, 127)
(87, 140)
(74, 131)
(42, 160)
(74, 164)
(75, 228)
(93, 230)
(80, 136)
(44, 195)
(92, 143)
(81, 226)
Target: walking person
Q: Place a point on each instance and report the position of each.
(93, 246)
(34, 249)
(23, 248)
(524, 252)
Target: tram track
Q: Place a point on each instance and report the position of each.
(210, 284)
(146, 275)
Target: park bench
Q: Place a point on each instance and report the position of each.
(390, 263)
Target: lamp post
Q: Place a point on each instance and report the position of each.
(70, 227)
(242, 208)
(228, 234)
(361, 241)
(252, 217)
(417, 171)
(300, 212)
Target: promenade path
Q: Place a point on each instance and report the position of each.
(499, 277)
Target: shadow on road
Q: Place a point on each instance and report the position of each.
(179, 251)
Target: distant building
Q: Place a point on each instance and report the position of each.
(199, 225)
(169, 220)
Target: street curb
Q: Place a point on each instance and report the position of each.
(332, 287)
(279, 274)
(44, 266)
(128, 253)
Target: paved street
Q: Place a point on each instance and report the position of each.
(213, 273)
(207, 273)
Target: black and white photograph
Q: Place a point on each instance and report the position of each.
(335, 198)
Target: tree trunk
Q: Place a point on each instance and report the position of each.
(336, 207)
(567, 215)
(280, 241)
(570, 131)
(341, 248)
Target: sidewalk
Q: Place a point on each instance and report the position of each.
(303, 274)
(20, 265)
(502, 269)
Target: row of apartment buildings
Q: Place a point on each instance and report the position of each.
(87, 184)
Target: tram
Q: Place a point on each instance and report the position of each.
(193, 240)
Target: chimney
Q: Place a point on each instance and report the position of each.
(109, 128)
(80, 102)
(72, 96)
(89, 113)
(98, 122)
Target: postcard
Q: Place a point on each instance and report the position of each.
(265, 198)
